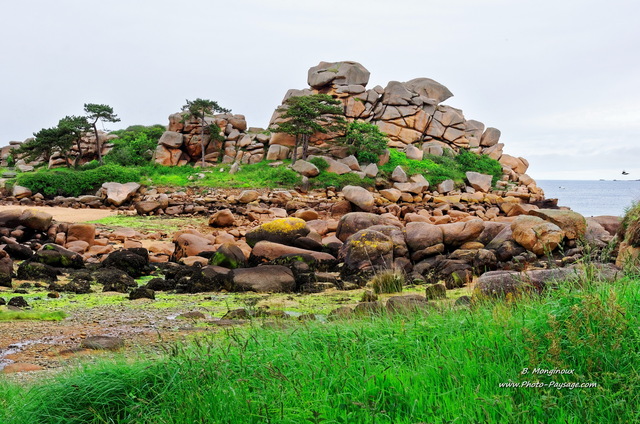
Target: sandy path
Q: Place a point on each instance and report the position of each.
(68, 214)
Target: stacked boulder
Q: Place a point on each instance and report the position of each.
(182, 142)
(412, 115)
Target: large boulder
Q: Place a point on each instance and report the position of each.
(501, 283)
(459, 233)
(222, 218)
(117, 194)
(135, 262)
(365, 252)
(283, 231)
(114, 279)
(353, 222)
(572, 223)
(10, 218)
(338, 73)
(535, 234)
(36, 271)
(429, 88)
(397, 236)
(206, 279)
(6, 269)
(480, 182)
(36, 219)
(229, 256)
(359, 196)
(20, 192)
(58, 257)
(188, 244)
(81, 231)
(423, 235)
(263, 279)
(268, 251)
(596, 235)
(171, 139)
(305, 168)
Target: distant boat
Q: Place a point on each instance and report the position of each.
(624, 172)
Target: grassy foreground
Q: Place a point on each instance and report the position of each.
(449, 366)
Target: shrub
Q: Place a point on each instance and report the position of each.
(320, 163)
(330, 179)
(134, 145)
(388, 281)
(470, 161)
(366, 141)
(439, 168)
(65, 182)
(630, 224)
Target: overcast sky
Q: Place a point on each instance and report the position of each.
(560, 79)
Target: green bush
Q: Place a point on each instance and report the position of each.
(365, 141)
(320, 163)
(439, 168)
(329, 179)
(134, 145)
(470, 161)
(66, 182)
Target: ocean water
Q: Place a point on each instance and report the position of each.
(593, 198)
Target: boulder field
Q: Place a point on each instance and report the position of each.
(277, 243)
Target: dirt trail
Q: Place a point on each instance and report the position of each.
(68, 214)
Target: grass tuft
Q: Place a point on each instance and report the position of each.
(6, 315)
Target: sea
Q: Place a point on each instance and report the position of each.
(593, 198)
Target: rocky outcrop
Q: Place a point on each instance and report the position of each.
(411, 113)
(183, 141)
(57, 160)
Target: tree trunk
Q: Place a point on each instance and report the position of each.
(76, 162)
(295, 150)
(202, 139)
(305, 146)
(98, 146)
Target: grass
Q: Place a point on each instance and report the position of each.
(6, 315)
(443, 367)
(164, 224)
(439, 168)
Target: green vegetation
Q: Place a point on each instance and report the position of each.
(454, 365)
(97, 112)
(65, 182)
(6, 315)
(366, 141)
(388, 281)
(439, 168)
(134, 145)
(61, 139)
(308, 115)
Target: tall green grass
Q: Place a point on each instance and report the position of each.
(441, 367)
(7, 315)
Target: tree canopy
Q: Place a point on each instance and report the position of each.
(307, 115)
(366, 141)
(200, 108)
(61, 138)
(97, 112)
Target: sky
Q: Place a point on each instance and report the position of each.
(560, 79)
